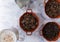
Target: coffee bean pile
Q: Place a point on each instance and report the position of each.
(50, 31)
(29, 22)
(52, 8)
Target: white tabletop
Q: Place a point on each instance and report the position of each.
(9, 17)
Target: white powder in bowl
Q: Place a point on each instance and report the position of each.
(7, 36)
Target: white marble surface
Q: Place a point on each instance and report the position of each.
(9, 17)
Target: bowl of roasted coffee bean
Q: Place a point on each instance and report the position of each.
(50, 31)
(52, 8)
(29, 22)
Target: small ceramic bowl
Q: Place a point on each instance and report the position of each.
(30, 22)
(47, 31)
(9, 35)
(52, 13)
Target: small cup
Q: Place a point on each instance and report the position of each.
(51, 16)
(41, 32)
(10, 34)
(29, 11)
(22, 3)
